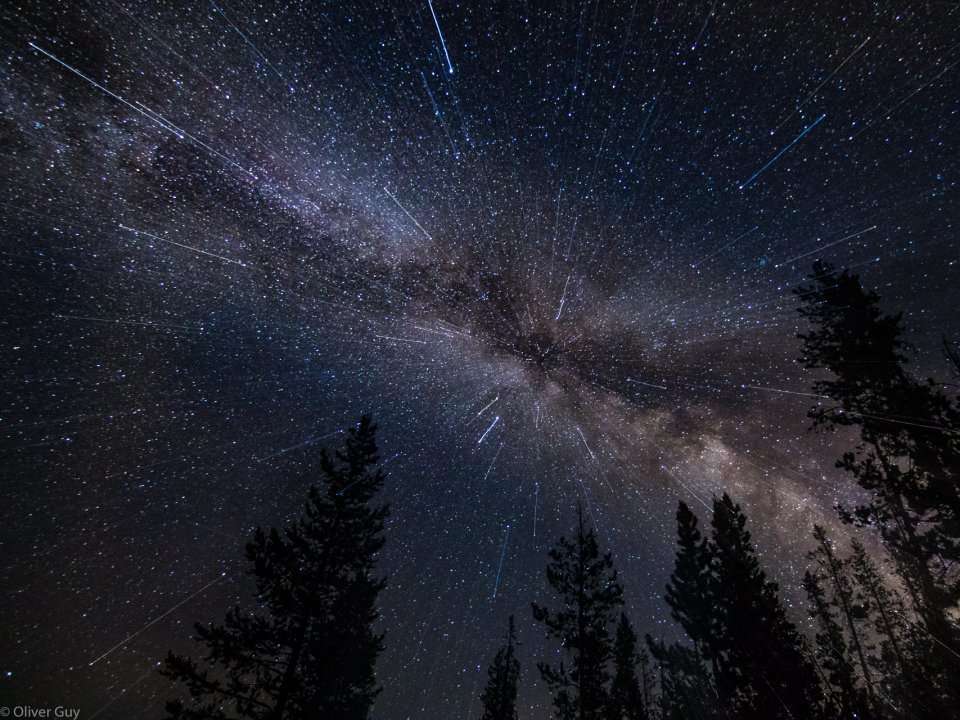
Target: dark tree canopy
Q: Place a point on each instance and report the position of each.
(840, 641)
(503, 678)
(746, 653)
(908, 454)
(308, 648)
(627, 700)
(590, 597)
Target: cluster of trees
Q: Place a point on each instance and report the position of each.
(880, 640)
(869, 655)
(890, 654)
(884, 640)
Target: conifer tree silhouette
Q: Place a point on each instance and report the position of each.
(685, 684)
(503, 677)
(309, 649)
(908, 456)
(766, 673)
(590, 596)
(627, 700)
(752, 658)
(865, 634)
(690, 588)
(843, 641)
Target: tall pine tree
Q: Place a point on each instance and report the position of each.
(906, 663)
(503, 677)
(843, 642)
(590, 597)
(686, 685)
(690, 588)
(765, 673)
(831, 655)
(752, 658)
(309, 649)
(627, 699)
(908, 455)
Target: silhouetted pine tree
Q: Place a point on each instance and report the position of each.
(831, 655)
(647, 683)
(843, 644)
(691, 586)
(906, 669)
(884, 607)
(840, 641)
(590, 596)
(686, 685)
(908, 457)
(754, 660)
(627, 700)
(310, 648)
(764, 673)
(503, 677)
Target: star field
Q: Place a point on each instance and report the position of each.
(550, 247)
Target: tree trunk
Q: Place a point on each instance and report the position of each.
(286, 685)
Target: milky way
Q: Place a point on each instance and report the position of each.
(551, 248)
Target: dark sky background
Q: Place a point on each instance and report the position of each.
(551, 251)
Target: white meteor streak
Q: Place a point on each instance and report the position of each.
(536, 499)
(156, 620)
(166, 125)
(704, 28)
(503, 552)
(563, 298)
(487, 431)
(123, 321)
(186, 247)
(493, 462)
(151, 672)
(641, 382)
(721, 249)
(93, 82)
(248, 42)
(886, 113)
(828, 245)
(488, 405)
(440, 33)
(592, 456)
(181, 133)
(305, 443)
(398, 339)
(820, 86)
(405, 212)
(786, 392)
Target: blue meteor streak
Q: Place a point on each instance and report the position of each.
(780, 154)
(440, 33)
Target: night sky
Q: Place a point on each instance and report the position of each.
(550, 247)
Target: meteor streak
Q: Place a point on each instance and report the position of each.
(440, 33)
(817, 89)
(776, 157)
(407, 213)
(487, 431)
(828, 245)
(186, 247)
(145, 112)
(503, 553)
(157, 619)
